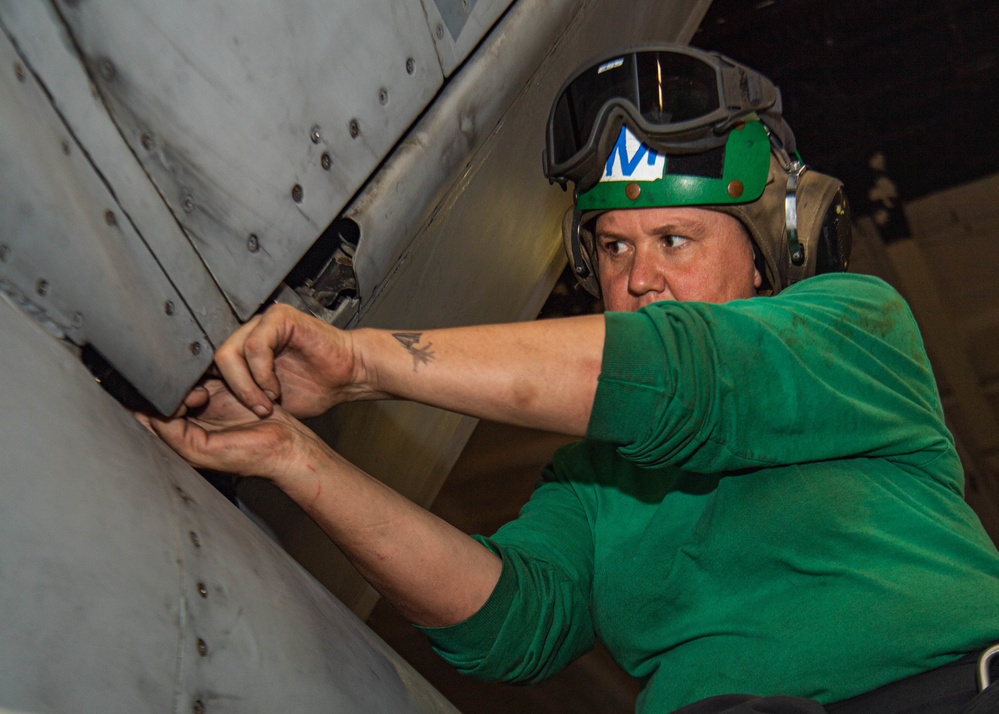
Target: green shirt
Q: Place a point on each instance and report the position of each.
(767, 502)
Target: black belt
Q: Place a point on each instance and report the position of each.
(961, 687)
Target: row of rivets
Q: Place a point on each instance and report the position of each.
(198, 707)
(41, 287)
(633, 190)
(107, 71)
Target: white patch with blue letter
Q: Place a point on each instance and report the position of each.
(631, 160)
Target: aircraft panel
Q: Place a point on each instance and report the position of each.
(129, 584)
(257, 122)
(84, 267)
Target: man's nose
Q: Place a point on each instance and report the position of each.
(647, 276)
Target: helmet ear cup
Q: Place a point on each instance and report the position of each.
(832, 253)
(824, 227)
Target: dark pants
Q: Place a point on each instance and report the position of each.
(951, 689)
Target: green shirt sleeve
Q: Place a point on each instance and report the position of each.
(831, 368)
(537, 620)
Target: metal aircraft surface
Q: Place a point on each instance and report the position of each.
(169, 168)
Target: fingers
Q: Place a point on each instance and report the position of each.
(271, 335)
(143, 419)
(281, 353)
(182, 436)
(246, 378)
(196, 398)
(201, 448)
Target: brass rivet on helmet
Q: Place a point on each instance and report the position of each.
(633, 191)
(735, 188)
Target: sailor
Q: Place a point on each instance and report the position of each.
(764, 511)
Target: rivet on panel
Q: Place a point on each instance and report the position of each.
(410, 65)
(110, 218)
(77, 320)
(106, 69)
(19, 72)
(355, 129)
(466, 5)
(188, 202)
(202, 590)
(632, 191)
(195, 348)
(168, 307)
(315, 134)
(383, 96)
(198, 708)
(147, 141)
(326, 160)
(65, 147)
(735, 188)
(202, 647)
(440, 31)
(182, 493)
(297, 194)
(42, 287)
(195, 540)
(4, 253)
(253, 243)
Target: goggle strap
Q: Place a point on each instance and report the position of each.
(779, 128)
(741, 88)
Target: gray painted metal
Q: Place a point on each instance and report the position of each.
(411, 187)
(71, 250)
(459, 25)
(242, 102)
(48, 54)
(128, 584)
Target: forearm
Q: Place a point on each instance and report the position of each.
(434, 574)
(538, 374)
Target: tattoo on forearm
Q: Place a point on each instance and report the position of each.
(410, 340)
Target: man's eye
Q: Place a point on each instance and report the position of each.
(675, 241)
(613, 247)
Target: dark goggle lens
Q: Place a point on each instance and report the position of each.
(674, 88)
(664, 87)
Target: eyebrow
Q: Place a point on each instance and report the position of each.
(669, 228)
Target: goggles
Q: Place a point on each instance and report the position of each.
(676, 99)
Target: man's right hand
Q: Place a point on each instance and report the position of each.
(287, 357)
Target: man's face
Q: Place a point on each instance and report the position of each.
(646, 255)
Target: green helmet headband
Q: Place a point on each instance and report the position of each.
(636, 176)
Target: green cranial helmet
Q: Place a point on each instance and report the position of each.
(673, 126)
